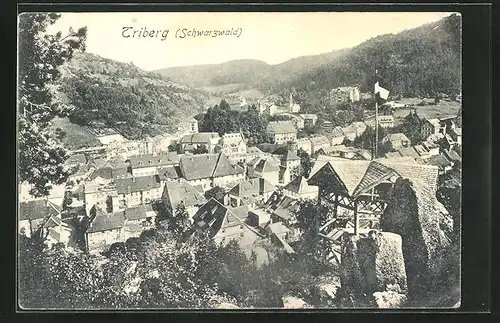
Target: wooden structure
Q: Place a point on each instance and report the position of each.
(357, 191)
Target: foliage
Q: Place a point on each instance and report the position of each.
(305, 163)
(411, 126)
(419, 61)
(179, 222)
(220, 118)
(40, 56)
(367, 140)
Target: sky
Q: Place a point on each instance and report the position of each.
(270, 37)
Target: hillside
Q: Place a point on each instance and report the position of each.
(420, 61)
(135, 102)
(241, 75)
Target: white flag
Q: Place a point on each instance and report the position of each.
(384, 94)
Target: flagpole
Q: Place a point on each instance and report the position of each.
(376, 120)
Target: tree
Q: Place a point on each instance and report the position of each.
(41, 155)
(305, 163)
(367, 140)
(179, 223)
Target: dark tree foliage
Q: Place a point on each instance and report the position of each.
(41, 155)
(367, 141)
(220, 118)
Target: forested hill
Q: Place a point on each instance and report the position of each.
(136, 102)
(419, 61)
(247, 74)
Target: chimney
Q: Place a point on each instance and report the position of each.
(261, 185)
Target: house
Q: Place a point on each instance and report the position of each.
(354, 130)
(408, 152)
(135, 191)
(396, 141)
(210, 170)
(147, 165)
(290, 162)
(55, 230)
(281, 132)
(384, 121)
(304, 144)
(447, 124)
(344, 94)
(285, 211)
(430, 127)
(327, 126)
(444, 164)
(336, 136)
(104, 230)
(169, 173)
(431, 147)
(33, 215)
(294, 107)
(138, 219)
(258, 217)
(161, 143)
(278, 229)
(249, 192)
(319, 142)
(224, 225)
(233, 143)
(190, 126)
(207, 140)
(309, 119)
(180, 191)
(102, 195)
(106, 135)
(263, 167)
(456, 135)
(421, 151)
(300, 189)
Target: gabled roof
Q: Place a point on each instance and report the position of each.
(37, 209)
(320, 140)
(252, 188)
(138, 212)
(106, 222)
(151, 160)
(215, 216)
(199, 138)
(264, 166)
(300, 186)
(198, 166)
(396, 137)
(55, 221)
(336, 132)
(225, 167)
(394, 154)
(438, 160)
(169, 172)
(176, 192)
(286, 209)
(452, 155)
(434, 122)
(290, 155)
(280, 127)
(375, 173)
(136, 184)
(408, 151)
(344, 173)
(421, 150)
(277, 228)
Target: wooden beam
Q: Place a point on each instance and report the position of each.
(356, 218)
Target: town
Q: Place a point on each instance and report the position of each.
(298, 181)
(238, 192)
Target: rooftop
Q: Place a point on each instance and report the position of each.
(137, 184)
(181, 191)
(138, 212)
(200, 138)
(37, 209)
(106, 222)
(152, 160)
